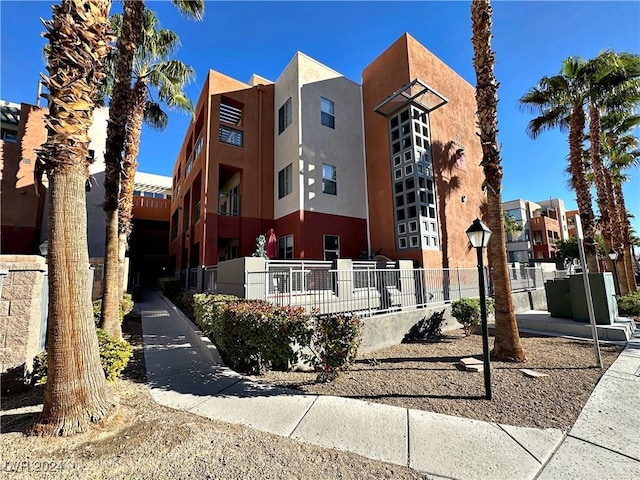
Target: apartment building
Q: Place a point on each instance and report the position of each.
(24, 212)
(543, 223)
(21, 205)
(336, 168)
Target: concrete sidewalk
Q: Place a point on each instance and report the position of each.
(185, 372)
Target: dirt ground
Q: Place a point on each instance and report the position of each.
(427, 376)
(143, 440)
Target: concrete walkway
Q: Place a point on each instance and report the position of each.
(185, 372)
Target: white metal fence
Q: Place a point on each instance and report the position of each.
(367, 288)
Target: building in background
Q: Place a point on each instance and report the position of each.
(543, 224)
(24, 213)
(21, 204)
(337, 169)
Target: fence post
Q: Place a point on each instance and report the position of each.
(459, 287)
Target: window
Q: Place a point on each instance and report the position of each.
(327, 117)
(228, 135)
(285, 181)
(331, 247)
(9, 136)
(329, 179)
(284, 116)
(285, 247)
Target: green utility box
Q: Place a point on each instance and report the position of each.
(558, 293)
(605, 305)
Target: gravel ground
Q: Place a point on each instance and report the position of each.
(426, 376)
(144, 440)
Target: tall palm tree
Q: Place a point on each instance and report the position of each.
(153, 71)
(559, 103)
(612, 80)
(76, 392)
(507, 344)
(116, 132)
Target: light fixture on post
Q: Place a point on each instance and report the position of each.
(479, 234)
(613, 255)
(44, 248)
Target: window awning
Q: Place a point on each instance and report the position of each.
(417, 93)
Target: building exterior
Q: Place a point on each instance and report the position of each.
(543, 224)
(24, 213)
(424, 184)
(21, 205)
(337, 169)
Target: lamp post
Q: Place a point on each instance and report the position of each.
(613, 255)
(478, 234)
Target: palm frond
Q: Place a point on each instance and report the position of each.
(193, 9)
(154, 116)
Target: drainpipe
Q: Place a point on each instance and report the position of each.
(366, 188)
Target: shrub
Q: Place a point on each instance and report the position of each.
(467, 312)
(253, 335)
(629, 305)
(426, 329)
(208, 307)
(335, 343)
(184, 301)
(126, 305)
(114, 357)
(170, 286)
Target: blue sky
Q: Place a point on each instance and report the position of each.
(240, 38)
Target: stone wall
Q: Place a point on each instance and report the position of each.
(20, 313)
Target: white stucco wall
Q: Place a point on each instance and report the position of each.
(307, 144)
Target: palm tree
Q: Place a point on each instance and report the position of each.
(507, 344)
(76, 392)
(559, 102)
(613, 84)
(116, 131)
(152, 69)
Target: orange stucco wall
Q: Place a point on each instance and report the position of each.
(254, 162)
(401, 63)
(22, 209)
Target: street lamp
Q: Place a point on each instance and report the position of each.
(479, 234)
(613, 255)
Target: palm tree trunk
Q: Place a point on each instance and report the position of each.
(627, 278)
(507, 344)
(581, 186)
(76, 392)
(599, 176)
(118, 112)
(130, 165)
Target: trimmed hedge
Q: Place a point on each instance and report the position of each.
(467, 312)
(126, 305)
(114, 357)
(253, 335)
(336, 338)
(629, 305)
(170, 286)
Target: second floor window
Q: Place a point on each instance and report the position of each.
(284, 116)
(231, 136)
(329, 180)
(327, 116)
(284, 181)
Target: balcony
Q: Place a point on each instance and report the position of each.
(229, 204)
(149, 208)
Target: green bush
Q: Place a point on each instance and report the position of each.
(126, 305)
(253, 335)
(335, 342)
(170, 286)
(114, 357)
(629, 305)
(467, 312)
(208, 307)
